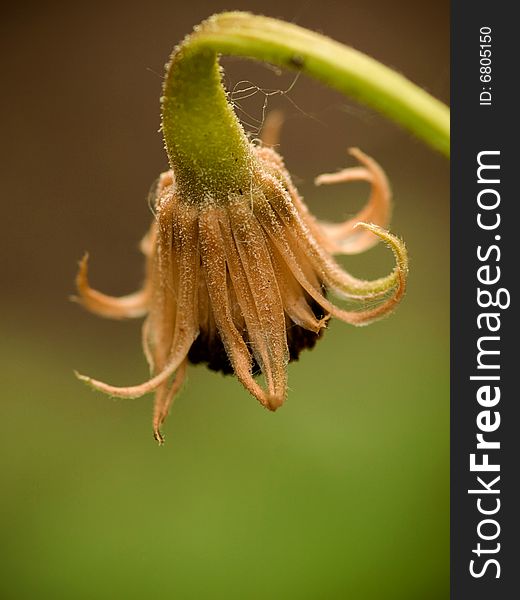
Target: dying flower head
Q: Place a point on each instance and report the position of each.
(240, 276)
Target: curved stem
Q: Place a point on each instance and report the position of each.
(290, 46)
(206, 145)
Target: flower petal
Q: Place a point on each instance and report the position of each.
(294, 298)
(270, 134)
(186, 323)
(281, 239)
(214, 262)
(344, 238)
(330, 273)
(256, 288)
(164, 399)
(123, 307)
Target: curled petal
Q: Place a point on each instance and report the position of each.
(281, 240)
(401, 271)
(332, 275)
(186, 324)
(135, 391)
(344, 238)
(124, 307)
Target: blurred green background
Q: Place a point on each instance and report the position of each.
(343, 493)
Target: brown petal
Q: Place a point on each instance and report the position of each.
(186, 324)
(280, 237)
(124, 307)
(214, 262)
(344, 238)
(164, 399)
(256, 287)
(328, 270)
(293, 295)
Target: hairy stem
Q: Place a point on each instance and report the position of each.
(203, 135)
(206, 144)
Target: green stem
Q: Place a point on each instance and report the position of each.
(203, 135)
(206, 145)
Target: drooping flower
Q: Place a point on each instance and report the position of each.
(243, 286)
(240, 275)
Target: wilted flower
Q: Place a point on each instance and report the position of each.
(238, 271)
(242, 285)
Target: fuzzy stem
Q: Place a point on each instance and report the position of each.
(206, 144)
(201, 132)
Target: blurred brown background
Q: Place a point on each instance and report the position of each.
(85, 490)
(80, 119)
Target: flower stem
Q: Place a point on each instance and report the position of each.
(198, 120)
(205, 142)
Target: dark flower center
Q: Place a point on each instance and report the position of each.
(208, 347)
